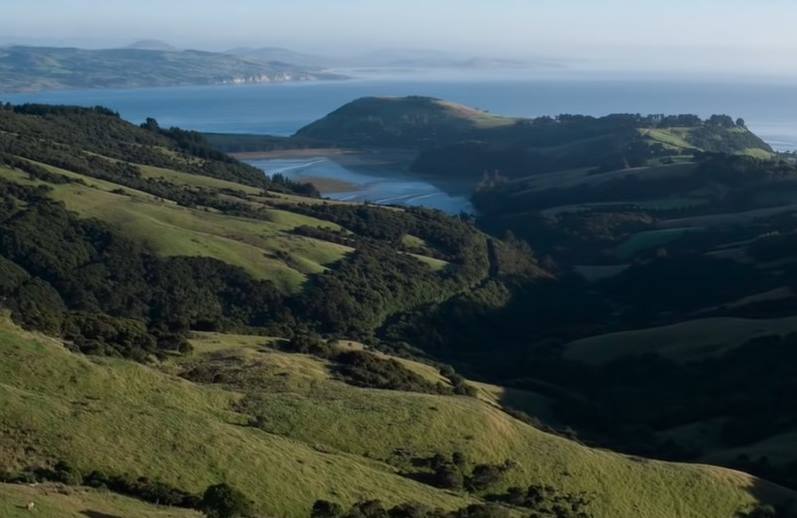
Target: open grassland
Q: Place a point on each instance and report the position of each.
(584, 178)
(674, 138)
(735, 218)
(316, 437)
(685, 341)
(180, 178)
(432, 262)
(649, 239)
(757, 153)
(125, 418)
(266, 249)
(58, 501)
(297, 396)
(479, 119)
(706, 436)
(16, 176)
(681, 139)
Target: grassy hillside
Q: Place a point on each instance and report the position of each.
(125, 418)
(400, 122)
(469, 144)
(179, 201)
(313, 436)
(686, 341)
(59, 501)
(265, 248)
(48, 68)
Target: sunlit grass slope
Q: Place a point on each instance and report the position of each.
(267, 249)
(122, 417)
(297, 396)
(57, 501)
(316, 437)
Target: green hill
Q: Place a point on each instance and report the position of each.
(165, 192)
(400, 122)
(282, 429)
(455, 138)
(60, 501)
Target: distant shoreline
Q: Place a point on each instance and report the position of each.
(380, 162)
(364, 160)
(327, 185)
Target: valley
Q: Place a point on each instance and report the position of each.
(610, 334)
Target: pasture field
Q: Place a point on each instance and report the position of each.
(685, 341)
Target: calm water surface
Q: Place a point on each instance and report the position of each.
(769, 109)
(373, 185)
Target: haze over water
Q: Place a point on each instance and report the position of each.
(281, 109)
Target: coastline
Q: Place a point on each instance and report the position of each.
(400, 159)
(367, 161)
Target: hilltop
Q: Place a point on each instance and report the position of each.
(152, 45)
(25, 69)
(400, 122)
(452, 137)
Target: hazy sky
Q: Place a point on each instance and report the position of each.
(747, 36)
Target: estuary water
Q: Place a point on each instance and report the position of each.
(280, 109)
(372, 184)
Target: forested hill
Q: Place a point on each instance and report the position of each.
(411, 122)
(165, 200)
(48, 68)
(79, 139)
(469, 143)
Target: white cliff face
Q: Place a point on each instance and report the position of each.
(278, 77)
(43, 68)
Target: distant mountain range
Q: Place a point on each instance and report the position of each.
(152, 45)
(144, 64)
(283, 55)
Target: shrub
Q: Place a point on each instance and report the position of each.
(38, 306)
(374, 509)
(310, 343)
(368, 370)
(223, 501)
(485, 475)
(326, 509)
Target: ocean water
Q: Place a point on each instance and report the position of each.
(280, 109)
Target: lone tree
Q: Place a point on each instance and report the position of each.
(326, 509)
(223, 501)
